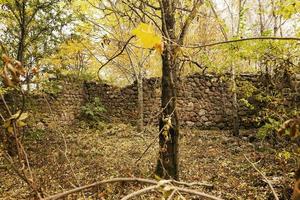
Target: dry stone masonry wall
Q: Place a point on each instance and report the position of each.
(204, 101)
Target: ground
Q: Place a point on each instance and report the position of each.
(69, 156)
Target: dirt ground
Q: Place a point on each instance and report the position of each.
(66, 157)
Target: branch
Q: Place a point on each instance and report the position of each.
(149, 5)
(192, 184)
(269, 183)
(116, 54)
(218, 20)
(244, 39)
(189, 20)
(172, 195)
(78, 189)
(139, 192)
(201, 194)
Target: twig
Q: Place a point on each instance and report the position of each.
(1, 116)
(6, 106)
(155, 139)
(145, 151)
(242, 40)
(18, 172)
(172, 195)
(192, 184)
(78, 189)
(139, 192)
(116, 55)
(266, 179)
(196, 193)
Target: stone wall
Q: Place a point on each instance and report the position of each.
(204, 101)
(62, 108)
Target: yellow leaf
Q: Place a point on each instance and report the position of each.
(10, 129)
(14, 116)
(157, 177)
(146, 35)
(23, 116)
(21, 123)
(7, 123)
(159, 47)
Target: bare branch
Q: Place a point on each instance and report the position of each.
(244, 39)
(172, 195)
(266, 179)
(66, 193)
(196, 193)
(139, 192)
(192, 184)
(189, 20)
(116, 55)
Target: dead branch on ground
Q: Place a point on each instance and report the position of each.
(155, 185)
(265, 178)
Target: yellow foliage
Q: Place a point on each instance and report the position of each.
(147, 37)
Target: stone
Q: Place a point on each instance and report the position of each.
(202, 112)
(208, 124)
(204, 119)
(190, 124)
(190, 106)
(40, 126)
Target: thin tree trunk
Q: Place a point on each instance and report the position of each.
(21, 45)
(261, 20)
(296, 190)
(236, 122)
(275, 17)
(140, 126)
(167, 164)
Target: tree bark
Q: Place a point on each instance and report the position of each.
(140, 126)
(296, 190)
(236, 122)
(261, 18)
(167, 164)
(21, 45)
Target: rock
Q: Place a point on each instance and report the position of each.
(190, 106)
(207, 124)
(202, 112)
(204, 119)
(190, 124)
(40, 126)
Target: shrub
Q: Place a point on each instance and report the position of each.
(93, 110)
(269, 129)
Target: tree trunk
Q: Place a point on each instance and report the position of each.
(296, 191)
(236, 122)
(140, 126)
(261, 18)
(21, 44)
(167, 164)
